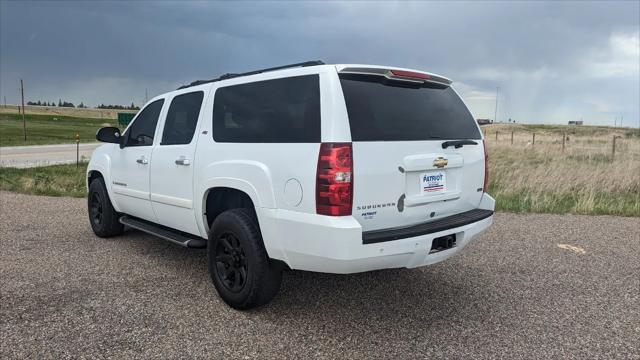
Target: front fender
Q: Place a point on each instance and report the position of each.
(101, 162)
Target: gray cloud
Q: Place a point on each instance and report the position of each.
(554, 61)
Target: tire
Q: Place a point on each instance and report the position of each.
(238, 263)
(102, 217)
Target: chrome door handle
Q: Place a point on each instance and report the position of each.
(143, 160)
(183, 161)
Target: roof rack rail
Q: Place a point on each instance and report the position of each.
(232, 75)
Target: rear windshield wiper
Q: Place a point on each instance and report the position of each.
(458, 143)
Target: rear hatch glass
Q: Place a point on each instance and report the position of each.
(381, 110)
(402, 173)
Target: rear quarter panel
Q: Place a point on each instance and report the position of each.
(262, 170)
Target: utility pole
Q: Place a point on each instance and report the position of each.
(621, 117)
(495, 114)
(24, 122)
(5, 102)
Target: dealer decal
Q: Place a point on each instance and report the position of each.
(368, 215)
(433, 182)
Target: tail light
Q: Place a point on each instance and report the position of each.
(334, 179)
(485, 185)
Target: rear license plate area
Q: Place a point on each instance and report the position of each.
(433, 182)
(443, 243)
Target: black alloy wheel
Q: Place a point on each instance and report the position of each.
(231, 262)
(103, 218)
(240, 269)
(95, 209)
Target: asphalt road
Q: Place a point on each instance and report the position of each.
(38, 155)
(514, 293)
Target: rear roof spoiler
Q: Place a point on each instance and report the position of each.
(395, 74)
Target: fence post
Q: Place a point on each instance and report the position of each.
(511, 137)
(613, 147)
(496, 136)
(533, 143)
(77, 150)
(564, 137)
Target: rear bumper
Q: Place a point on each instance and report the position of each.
(336, 244)
(447, 223)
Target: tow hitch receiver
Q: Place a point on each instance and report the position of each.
(443, 243)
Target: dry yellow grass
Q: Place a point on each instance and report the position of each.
(64, 111)
(584, 178)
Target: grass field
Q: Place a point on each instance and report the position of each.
(55, 180)
(584, 178)
(48, 129)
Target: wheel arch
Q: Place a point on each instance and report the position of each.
(92, 175)
(249, 177)
(99, 167)
(221, 198)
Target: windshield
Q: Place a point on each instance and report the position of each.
(385, 110)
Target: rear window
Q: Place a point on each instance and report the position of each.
(283, 110)
(382, 110)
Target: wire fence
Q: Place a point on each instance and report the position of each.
(611, 144)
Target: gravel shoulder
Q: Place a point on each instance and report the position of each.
(513, 293)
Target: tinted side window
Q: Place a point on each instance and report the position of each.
(143, 128)
(281, 110)
(182, 118)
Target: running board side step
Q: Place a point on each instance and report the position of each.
(165, 233)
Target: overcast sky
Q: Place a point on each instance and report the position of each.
(552, 61)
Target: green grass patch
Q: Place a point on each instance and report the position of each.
(526, 201)
(54, 180)
(47, 129)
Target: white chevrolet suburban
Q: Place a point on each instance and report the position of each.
(329, 168)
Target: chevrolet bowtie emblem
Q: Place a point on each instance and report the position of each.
(440, 162)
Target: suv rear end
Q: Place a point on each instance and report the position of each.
(407, 190)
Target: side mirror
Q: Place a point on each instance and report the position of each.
(109, 135)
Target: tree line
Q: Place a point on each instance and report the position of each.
(82, 105)
(118, 107)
